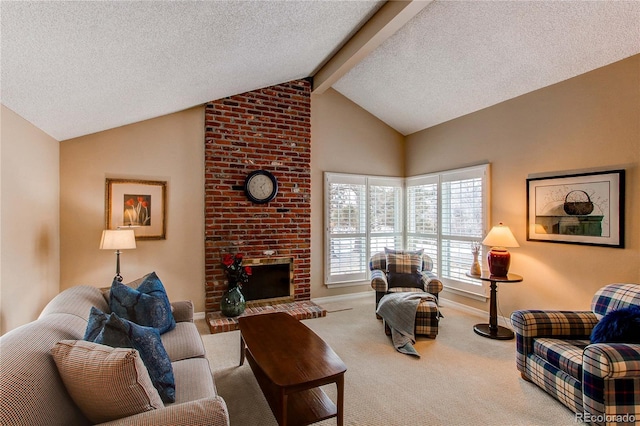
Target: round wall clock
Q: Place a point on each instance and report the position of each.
(260, 186)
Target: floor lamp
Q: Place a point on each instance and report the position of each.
(118, 239)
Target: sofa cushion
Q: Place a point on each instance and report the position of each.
(559, 384)
(106, 383)
(404, 262)
(183, 342)
(193, 380)
(109, 329)
(620, 326)
(565, 355)
(146, 305)
(182, 310)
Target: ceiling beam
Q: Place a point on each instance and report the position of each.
(386, 21)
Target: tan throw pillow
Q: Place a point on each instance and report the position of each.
(106, 383)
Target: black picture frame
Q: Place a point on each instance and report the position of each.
(579, 208)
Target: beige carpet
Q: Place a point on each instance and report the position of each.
(460, 379)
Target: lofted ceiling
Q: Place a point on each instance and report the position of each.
(73, 68)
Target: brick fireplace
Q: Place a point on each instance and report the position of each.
(266, 129)
(271, 281)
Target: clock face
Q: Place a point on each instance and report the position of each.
(261, 186)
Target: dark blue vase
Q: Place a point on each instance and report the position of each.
(232, 303)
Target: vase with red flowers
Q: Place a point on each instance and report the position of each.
(232, 303)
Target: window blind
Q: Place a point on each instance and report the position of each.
(442, 213)
(347, 227)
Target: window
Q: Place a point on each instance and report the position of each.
(363, 214)
(442, 213)
(346, 228)
(422, 216)
(446, 213)
(385, 214)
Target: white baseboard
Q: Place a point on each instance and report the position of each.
(198, 315)
(464, 308)
(342, 297)
(474, 311)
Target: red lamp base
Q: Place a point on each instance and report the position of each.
(499, 260)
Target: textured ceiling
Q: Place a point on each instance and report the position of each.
(457, 57)
(79, 67)
(74, 68)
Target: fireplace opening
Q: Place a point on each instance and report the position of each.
(270, 279)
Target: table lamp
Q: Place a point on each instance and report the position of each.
(118, 239)
(499, 258)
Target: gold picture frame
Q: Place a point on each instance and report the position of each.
(138, 204)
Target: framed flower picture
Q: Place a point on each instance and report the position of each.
(138, 204)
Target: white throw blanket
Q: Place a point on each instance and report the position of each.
(399, 312)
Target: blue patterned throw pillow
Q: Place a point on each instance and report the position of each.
(147, 305)
(620, 326)
(110, 330)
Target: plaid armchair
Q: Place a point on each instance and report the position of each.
(599, 382)
(379, 282)
(402, 271)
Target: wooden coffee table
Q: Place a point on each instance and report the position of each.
(290, 362)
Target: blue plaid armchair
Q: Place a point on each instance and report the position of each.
(599, 382)
(428, 314)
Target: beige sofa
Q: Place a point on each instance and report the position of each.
(32, 392)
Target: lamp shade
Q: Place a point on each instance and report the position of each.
(499, 258)
(500, 236)
(118, 239)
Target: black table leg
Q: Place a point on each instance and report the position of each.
(493, 330)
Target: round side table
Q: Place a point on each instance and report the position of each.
(493, 330)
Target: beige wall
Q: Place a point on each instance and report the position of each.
(588, 122)
(29, 221)
(346, 139)
(169, 148)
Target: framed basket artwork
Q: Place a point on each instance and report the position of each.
(584, 208)
(139, 204)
